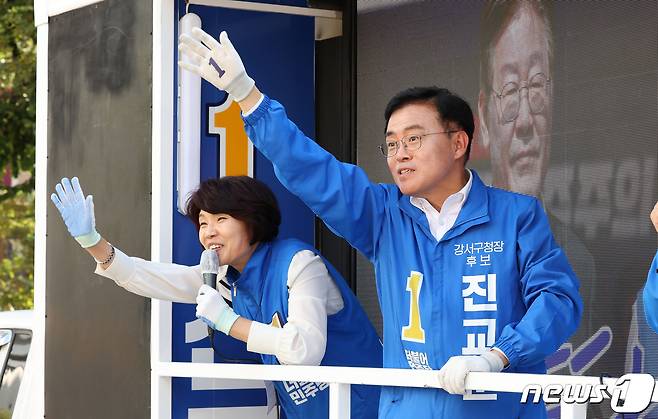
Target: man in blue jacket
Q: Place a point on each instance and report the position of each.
(469, 277)
(650, 294)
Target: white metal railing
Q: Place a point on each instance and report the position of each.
(341, 378)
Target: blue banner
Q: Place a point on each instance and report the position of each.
(278, 53)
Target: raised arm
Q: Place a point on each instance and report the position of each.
(340, 194)
(650, 294)
(77, 212)
(149, 279)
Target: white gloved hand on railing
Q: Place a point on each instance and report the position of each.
(452, 375)
(216, 62)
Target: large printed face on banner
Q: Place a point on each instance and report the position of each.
(515, 101)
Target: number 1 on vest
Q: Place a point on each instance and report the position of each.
(414, 331)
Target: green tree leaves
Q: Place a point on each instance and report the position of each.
(17, 91)
(17, 145)
(17, 252)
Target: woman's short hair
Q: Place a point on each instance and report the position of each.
(243, 198)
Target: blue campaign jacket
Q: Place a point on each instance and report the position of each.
(650, 295)
(497, 277)
(261, 292)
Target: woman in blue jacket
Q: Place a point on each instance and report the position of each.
(286, 302)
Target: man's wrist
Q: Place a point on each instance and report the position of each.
(251, 102)
(502, 356)
(494, 360)
(242, 87)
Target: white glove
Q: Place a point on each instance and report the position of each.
(452, 375)
(216, 62)
(213, 310)
(76, 211)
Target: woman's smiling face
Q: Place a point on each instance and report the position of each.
(228, 236)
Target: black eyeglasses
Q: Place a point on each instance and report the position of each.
(410, 142)
(509, 98)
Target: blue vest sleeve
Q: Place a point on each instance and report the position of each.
(339, 193)
(550, 294)
(650, 295)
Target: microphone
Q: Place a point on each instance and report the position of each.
(209, 268)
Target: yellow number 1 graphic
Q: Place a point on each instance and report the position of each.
(235, 149)
(414, 331)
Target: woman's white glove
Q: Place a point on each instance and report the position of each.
(216, 62)
(213, 310)
(76, 211)
(452, 375)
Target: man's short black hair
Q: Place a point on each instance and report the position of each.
(452, 110)
(243, 198)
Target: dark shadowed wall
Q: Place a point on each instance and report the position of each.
(99, 129)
